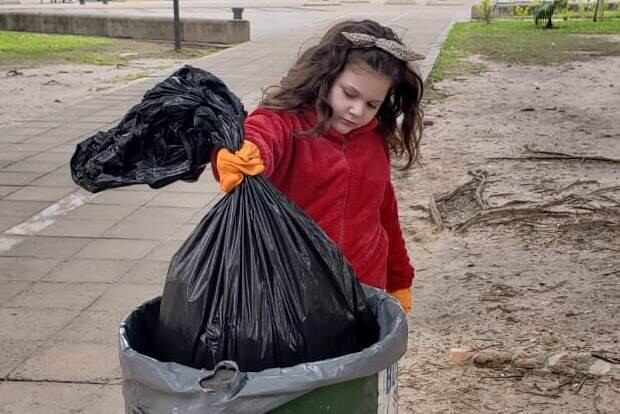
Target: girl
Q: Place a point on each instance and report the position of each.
(324, 136)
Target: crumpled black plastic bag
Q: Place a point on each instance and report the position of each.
(166, 137)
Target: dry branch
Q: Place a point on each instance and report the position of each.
(481, 177)
(508, 214)
(612, 357)
(551, 156)
(435, 214)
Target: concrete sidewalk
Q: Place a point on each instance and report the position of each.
(72, 264)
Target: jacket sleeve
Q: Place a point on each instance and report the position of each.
(400, 272)
(272, 134)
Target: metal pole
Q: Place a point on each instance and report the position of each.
(177, 26)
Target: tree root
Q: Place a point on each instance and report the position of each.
(550, 156)
(580, 206)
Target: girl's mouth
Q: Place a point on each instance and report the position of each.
(349, 123)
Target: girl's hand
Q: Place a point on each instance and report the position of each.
(404, 297)
(233, 167)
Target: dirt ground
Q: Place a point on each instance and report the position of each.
(46, 85)
(526, 271)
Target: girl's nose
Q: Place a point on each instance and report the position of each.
(355, 109)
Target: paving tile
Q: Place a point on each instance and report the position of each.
(100, 212)
(89, 270)
(50, 138)
(148, 271)
(23, 209)
(120, 197)
(10, 138)
(14, 353)
(30, 193)
(99, 327)
(58, 295)
(25, 268)
(125, 297)
(33, 324)
(32, 166)
(26, 129)
(67, 149)
(174, 214)
(8, 222)
(17, 397)
(143, 230)
(117, 249)
(55, 179)
(8, 189)
(165, 250)
(25, 146)
(17, 178)
(192, 200)
(77, 228)
(47, 247)
(197, 218)
(14, 156)
(63, 361)
(183, 232)
(55, 157)
(206, 184)
(11, 288)
(107, 400)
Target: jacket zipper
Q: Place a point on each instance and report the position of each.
(346, 194)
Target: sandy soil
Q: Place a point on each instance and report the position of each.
(526, 271)
(29, 91)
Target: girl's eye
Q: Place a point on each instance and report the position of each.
(348, 93)
(373, 106)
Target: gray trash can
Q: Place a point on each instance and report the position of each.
(363, 382)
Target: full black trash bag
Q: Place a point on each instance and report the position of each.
(166, 137)
(259, 283)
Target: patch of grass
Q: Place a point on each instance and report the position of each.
(33, 44)
(32, 48)
(93, 57)
(131, 76)
(28, 49)
(517, 41)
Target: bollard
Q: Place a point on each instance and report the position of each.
(237, 13)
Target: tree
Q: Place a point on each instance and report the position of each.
(546, 12)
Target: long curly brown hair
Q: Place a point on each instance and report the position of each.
(308, 82)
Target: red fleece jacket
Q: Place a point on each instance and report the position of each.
(343, 183)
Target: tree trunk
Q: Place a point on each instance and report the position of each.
(596, 9)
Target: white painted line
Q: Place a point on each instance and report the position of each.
(8, 244)
(48, 216)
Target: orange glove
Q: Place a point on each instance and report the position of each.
(233, 167)
(404, 297)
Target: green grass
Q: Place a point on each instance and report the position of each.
(131, 76)
(518, 41)
(33, 44)
(24, 48)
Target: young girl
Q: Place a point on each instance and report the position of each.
(324, 136)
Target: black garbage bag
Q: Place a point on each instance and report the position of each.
(259, 283)
(166, 137)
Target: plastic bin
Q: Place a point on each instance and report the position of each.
(362, 382)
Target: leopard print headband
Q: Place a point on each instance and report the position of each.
(394, 48)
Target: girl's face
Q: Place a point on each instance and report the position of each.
(356, 96)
